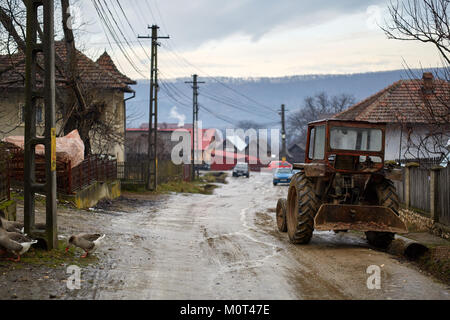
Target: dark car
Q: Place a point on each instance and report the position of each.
(203, 167)
(241, 169)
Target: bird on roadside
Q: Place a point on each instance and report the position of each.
(88, 242)
(12, 226)
(18, 227)
(15, 243)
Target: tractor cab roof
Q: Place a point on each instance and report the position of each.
(348, 122)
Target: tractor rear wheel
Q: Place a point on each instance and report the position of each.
(387, 197)
(281, 215)
(302, 207)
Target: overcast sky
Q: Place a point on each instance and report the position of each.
(254, 38)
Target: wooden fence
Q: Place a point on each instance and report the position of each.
(136, 171)
(427, 190)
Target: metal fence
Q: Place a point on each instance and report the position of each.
(4, 179)
(69, 180)
(136, 171)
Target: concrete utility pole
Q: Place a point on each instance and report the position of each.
(32, 94)
(195, 109)
(283, 132)
(152, 174)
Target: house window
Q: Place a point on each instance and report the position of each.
(39, 114)
(22, 114)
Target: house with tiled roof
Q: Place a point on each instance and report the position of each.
(105, 82)
(410, 109)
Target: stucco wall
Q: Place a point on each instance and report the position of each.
(393, 134)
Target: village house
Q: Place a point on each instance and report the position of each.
(105, 82)
(136, 143)
(296, 153)
(411, 109)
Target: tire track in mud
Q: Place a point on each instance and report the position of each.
(248, 264)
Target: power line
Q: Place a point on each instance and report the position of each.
(109, 27)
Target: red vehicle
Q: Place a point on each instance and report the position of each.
(280, 164)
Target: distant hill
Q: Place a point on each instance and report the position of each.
(271, 92)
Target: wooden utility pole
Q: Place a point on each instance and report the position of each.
(152, 172)
(195, 133)
(32, 93)
(283, 132)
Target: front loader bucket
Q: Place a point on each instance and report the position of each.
(361, 218)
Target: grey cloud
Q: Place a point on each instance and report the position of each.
(194, 22)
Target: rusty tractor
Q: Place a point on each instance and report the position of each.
(343, 185)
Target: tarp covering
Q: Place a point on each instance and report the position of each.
(68, 148)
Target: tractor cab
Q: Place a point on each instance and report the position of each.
(346, 146)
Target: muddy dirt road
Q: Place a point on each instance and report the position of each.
(226, 246)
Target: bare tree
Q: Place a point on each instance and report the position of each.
(316, 107)
(425, 21)
(421, 20)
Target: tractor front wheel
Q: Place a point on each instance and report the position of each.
(387, 197)
(302, 207)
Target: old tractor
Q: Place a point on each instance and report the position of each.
(343, 185)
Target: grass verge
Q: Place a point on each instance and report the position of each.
(51, 259)
(203, 185)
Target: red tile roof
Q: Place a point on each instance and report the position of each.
(12, 70)
(404, 101)
(107, 63)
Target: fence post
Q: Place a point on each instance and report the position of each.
(434, 193)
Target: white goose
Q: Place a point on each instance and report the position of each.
(15, 243)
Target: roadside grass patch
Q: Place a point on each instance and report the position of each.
(204, 185)
(437, 263)
(51, 259)
(197, 186)
(215, 177)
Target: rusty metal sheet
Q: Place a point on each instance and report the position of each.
(315, 169)
(361, 218)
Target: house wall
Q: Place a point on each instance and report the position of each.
(11, 125)
(11, 103)
(393, 135)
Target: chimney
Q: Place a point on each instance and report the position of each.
(428, 87)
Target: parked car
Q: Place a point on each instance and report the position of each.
(241, 169)
(282, 175)
(203, 167)
(280, 164)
